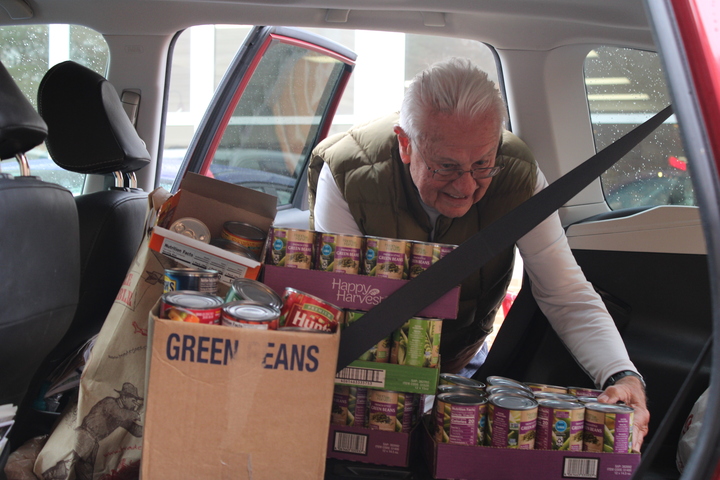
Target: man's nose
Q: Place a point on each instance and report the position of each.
(465, 183)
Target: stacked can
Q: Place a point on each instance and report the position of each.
(391, 411)
(291, 247)
(608, 428)
(349, 406)
(560, 425)
(460, 416)
(512, 421)
(387, 257)
(417, 343)
(339, 253)
(424, 254)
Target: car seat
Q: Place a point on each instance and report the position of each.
(39, 252)
(90, 133)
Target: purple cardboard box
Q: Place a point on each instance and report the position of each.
(370, 446)
(478, 463)
(357, 292)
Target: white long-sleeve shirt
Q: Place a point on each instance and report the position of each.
(559, 286)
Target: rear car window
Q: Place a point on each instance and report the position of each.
(386, 62)
(624, 88)
(28, 51)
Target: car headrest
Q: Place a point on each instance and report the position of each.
(21, 128)
(88, 130)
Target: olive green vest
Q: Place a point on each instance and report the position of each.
(365, 163)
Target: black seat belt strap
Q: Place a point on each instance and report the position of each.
(472, 254)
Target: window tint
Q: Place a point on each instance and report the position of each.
(625, 87)
(386, 62)
(28, 52)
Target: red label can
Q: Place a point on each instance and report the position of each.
(202, 307)
(308, 311)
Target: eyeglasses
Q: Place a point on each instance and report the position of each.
(452, 174)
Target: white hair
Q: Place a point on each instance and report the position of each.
(456, 87)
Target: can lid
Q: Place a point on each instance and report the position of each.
(249, 289)
(497, 380)
(191, 227)
(462, 398)
(447, 388)
(244, 230)
(609, 408)
(192, 299)
(452, 378)
(555, 396)
(512, 402)
(507, 389)
(561, 404)
(190, 271)
(584, 399)
(251, 311)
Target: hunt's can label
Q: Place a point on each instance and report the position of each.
(303, 310)
(292, 247)
(186, 278)
(542, 387)
(424, 254)
(390, 411)
(339, 253)
(454, 379)
(460, 418)
(349, 406)
(249, 236)
(247, 314)
(512, 420)
(380, 352)
(560, 425)
(387, 257)
(202, 307)
(584, 392)
(608, 428)
(253, 290)
(417, 343)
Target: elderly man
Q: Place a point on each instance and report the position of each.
(443, 170)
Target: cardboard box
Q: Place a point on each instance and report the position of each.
(213, 202)
(356, 292)
(237, 403)
(387, 376)
(378, 447)
(481, 463)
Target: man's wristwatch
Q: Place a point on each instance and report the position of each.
(625, 373)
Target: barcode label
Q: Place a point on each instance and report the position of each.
(363, 377)
(580, 467)
(350, 443)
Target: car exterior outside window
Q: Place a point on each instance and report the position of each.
(31, 50)
(386, 62)
(624, 88)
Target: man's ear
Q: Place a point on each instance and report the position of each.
(404, 144)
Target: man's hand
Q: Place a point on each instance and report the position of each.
(630, 391)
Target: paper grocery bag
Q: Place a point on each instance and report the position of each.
(100, 436)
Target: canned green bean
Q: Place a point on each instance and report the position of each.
(460, 418)
(424, 254)
(349, 406)
(417, 343)
(390, 411)
(387, 257)
(608, 428)
(512, 421)
(560, 425)
(339, 253)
